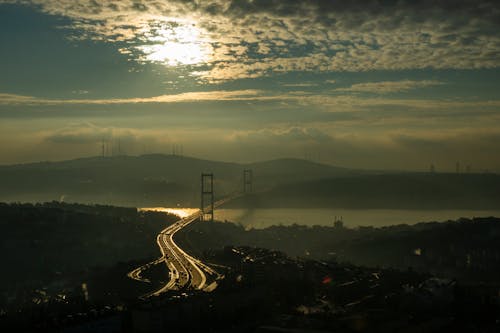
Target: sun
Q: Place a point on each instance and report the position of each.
(177, 45)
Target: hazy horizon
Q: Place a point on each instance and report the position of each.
(450, 168)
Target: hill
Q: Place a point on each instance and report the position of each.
(146, 180)
(391, 191)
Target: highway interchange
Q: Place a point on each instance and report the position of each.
(185, 272)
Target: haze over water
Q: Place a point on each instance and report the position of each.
(266, 217)
(263, 218)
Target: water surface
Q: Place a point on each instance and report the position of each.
(262, 218)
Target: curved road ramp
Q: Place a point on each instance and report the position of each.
(185, 272)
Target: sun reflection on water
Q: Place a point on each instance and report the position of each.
(180, 212)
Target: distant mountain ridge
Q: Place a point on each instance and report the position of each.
(153, 179)
(385, 191)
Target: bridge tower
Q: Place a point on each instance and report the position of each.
(207, 197)
(247, 181)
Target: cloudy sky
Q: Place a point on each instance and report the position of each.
(367, 84)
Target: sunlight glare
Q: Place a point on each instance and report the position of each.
(181, 212)
(177, 45)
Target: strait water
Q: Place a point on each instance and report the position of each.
(263, 218)
(266, 217)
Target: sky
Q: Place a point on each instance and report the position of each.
(366, 84)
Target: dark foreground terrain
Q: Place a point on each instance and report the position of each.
(466, 249)
(65, 270)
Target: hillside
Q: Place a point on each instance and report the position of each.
(465, 249)
(167, 180)
(146, 180)
(63, 239)
(391, 191)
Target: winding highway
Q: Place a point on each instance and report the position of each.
(185, 272)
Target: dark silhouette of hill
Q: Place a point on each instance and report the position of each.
(465, 249)
(290, 170)
(394, 191)
(146, 180)
(39, 240)
(168, 180)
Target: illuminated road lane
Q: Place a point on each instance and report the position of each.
(185, 272)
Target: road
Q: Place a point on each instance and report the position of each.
(185, 272)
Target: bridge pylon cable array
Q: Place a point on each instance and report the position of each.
(247, 181)
(207, 197)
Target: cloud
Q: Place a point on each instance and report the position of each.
(80, 92)
(291, 135)
(385, 87)
(221, 95)
(80, 133)
(88, 134)
(469, 145)
(255, 38)
(310, 106)
(299, 85)
(413, 149)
